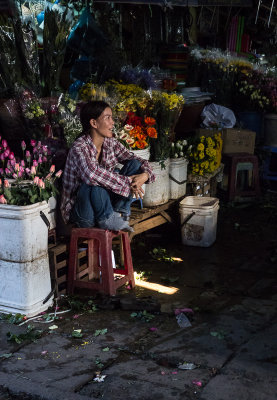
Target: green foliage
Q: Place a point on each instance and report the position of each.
(79, 305)
(13, 319)
(77, 333)
(143, 316)
(100, 332)
(31, 334)
(160, 254)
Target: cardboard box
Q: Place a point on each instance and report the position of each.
(238, 141)
(234, 140)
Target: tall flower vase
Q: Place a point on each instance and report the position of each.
(25, 282)
(158, 192)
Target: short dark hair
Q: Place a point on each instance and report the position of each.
(91, 110)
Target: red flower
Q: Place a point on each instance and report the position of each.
(151, 132)
(150, 121)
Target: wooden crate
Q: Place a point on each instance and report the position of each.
(144, 219)
(58, 261)
(205, 186)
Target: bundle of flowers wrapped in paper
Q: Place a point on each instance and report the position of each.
(137, 131)
(205, 154)
(27, 180)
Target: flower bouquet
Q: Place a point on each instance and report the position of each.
(165, 108)
(137, 131)
(28, 180)
(205, 154)
(65, 116)
(179, 149)
(34, 116)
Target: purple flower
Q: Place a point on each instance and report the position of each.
(22, 163)
(33, 143)
(11, 156)
(23, 145)
(27, 170)
(4, 143)
(35, 163)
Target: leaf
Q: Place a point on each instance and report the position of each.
(99, 332)
(52, 327)
(106, 349)
(77, 333)
(6, 355)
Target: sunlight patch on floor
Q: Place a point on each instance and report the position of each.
(157, 287)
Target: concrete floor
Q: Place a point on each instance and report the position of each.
(231, 288)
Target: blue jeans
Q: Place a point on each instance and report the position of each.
(95, 203)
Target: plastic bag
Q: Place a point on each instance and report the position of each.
(213, 114)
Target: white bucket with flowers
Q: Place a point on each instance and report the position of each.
(25, 284)
(178, 169)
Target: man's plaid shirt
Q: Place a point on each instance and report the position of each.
(82, 166)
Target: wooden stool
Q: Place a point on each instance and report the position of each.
(100, 268)
(243, 175)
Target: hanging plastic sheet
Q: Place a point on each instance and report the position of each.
(86, 36)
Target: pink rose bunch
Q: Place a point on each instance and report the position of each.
(35, 166)
(34, 162)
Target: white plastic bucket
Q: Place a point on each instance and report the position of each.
(24, 266)
(51, 214)
(199, 220)
(158, 192)
(178, 177)
(144, 153)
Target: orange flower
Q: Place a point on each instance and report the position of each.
(151, 132)
(136, 131)
(150, 121)
(140, 144)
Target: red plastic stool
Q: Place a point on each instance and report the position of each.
(242, 170)
(100, 261)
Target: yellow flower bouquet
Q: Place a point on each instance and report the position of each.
(205, 154)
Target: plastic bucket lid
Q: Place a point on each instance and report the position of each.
(199, 203)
